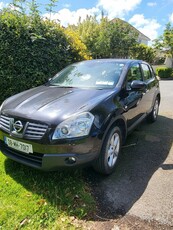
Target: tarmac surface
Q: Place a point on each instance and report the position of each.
(142, 186)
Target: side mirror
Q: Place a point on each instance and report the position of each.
(138, 85)
(48, 82)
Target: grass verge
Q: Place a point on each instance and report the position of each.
(31, 199)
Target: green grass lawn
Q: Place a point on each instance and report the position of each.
(31, 199)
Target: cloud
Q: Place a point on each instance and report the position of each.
(112, 8)
(118, 8)
(147, 26)
(8, 5)
(152, 4)
(3, 5)
(171, 18)
(65, 16)
(66, 5)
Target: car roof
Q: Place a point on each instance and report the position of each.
(125, 61)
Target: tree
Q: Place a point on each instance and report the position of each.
(168, 39)
(108, 38)
(18, 5)
(78, 48)
(32, 50)
(165, 41)
(143, 52)
(122, 39)
(104, 39)
(164, 46)
(33, 7)
(50, 7)
(88, 31)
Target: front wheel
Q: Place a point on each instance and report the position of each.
(110, 151)
(152, 117)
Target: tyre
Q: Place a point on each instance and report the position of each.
(110, 151)
(152, 117)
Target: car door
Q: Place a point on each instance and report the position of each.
(150, 80)
(134, 101)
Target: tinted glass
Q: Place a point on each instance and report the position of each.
(146, 71)
(134, 73)
(90, 74)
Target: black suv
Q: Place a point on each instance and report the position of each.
(82, 115)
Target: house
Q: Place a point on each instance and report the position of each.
(168, 62)
(142, 39)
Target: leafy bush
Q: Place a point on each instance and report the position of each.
(143, 52)
(32, 50)
(106, 39)
(164, 72)
(159, 60)
(77, 45)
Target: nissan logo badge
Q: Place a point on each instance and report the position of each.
(17, 126)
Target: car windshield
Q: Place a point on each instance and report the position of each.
(89, 74)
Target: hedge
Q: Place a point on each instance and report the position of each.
(31, 51)
(164, 72)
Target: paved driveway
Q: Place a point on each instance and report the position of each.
(142, 185)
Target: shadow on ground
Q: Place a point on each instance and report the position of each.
(144, 152)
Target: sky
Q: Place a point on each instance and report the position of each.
(149, 17)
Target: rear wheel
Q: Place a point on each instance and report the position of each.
(110, 151)
(152, 117)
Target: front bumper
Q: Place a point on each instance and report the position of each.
(54, 156)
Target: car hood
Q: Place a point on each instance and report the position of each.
(53, 104)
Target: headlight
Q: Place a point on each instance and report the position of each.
(1, 107)
(76, 126)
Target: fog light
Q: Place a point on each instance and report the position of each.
(70, 160)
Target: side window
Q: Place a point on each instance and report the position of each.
(146, 72)
(134, 73)
(152, 71)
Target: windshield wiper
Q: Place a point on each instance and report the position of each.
(61, 86)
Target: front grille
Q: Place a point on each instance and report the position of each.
(31, 130)
(31, 159)
(5, 123)
(34, 130)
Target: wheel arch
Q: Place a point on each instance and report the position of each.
(121, 123)
(101, 164)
